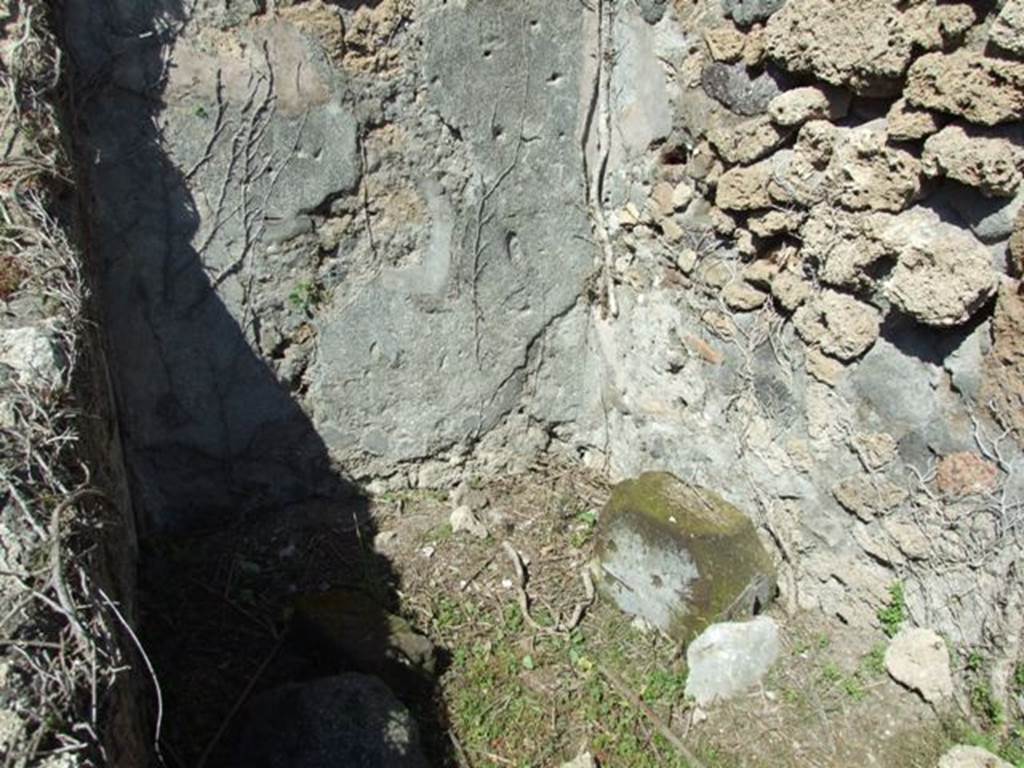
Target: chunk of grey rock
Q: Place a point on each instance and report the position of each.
(662, 543)
(982, 89)
(1007, 31)
(867, 173)
(838, 324)
(943, 275)
(728, 659)
(31, 353)
(865, 45)
(652, 11)
(351, 720)
(990, 164)
(733, 87)
(990, 219)
(746, 12)
(963, 756)
(745, 188)
(918, 659)
(393, 381)
(908, 123)
(965, 363)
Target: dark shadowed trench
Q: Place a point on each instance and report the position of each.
(240, 509)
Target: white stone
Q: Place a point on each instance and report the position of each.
(582, 760)
(728, 659)
(971, 757)
(917, 658)
(31, 353)
(463, 520)
(943, 275)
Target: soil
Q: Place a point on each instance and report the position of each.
(507, 694)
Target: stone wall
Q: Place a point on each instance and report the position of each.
(772, 247)
(818, 295)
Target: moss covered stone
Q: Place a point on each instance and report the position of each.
(680, 556)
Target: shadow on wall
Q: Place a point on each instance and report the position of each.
(238, 502)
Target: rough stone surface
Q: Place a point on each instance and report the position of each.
(854, 167)
(908, 123)
(733, 87)
(1007, 31)
(746, 12)
(748, 141)
(838, 324)
(963, 473)
(988, 163)
(845, 245)
(214, 427)
(825, 369)
(798, 105)
(936, 25)
(791, 290)
(742, 296)
(866, 46)
(744, 188)
(349, 719)
(679, 556)
(990, 219)
(869, 497)
(31, 354)
(432, 306)
(867, 173)
(725, 43)
(1003, 380)
(942, 274)
(728, 659)
(771, 223)
(981, 89)
(963, 756)
(919, 659)
(474, 372)
(1016, 243)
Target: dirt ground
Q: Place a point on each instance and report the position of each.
(511, 690)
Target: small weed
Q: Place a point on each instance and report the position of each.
(1009, 747)
(441, 533)
(586, 521)
(853, 688)
(306, 296)
(412, 496)
(986, 706)
(893, 614)
(201, 112)
(664, 685)
(873, 663)
(794, 697)
(512, 618)
(1018, 679)
(974, 661)
(447, 614)
(831, 673)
